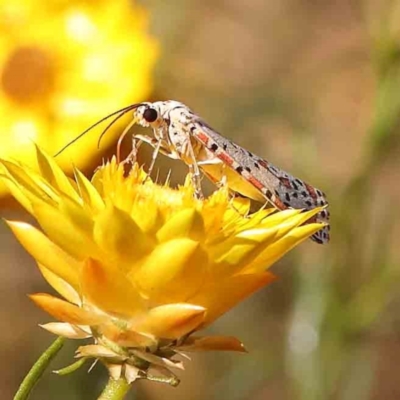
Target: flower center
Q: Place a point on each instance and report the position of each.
(28, 75)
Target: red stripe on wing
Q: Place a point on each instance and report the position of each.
(203, 137)
(255, 182)
(225, 158)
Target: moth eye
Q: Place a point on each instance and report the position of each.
(150, 115)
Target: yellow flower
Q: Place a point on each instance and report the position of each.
(143, 267)
(64, 64)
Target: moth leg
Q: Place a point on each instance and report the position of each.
(164, 148)
(132, 156)
(196, 181)
(154, 157)
(195, 171)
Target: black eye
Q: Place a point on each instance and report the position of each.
(150, 115)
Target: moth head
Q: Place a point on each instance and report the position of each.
(157, 114)
(150, 114)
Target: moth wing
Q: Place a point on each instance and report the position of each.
(277, 186)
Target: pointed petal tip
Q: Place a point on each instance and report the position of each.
(65, 311)
(172, 321)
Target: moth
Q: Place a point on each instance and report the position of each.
(181, 134)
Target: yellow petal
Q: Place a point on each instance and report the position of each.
(220, 296)
(79, 217)
(45, 252)
(280, 217)
(64, 311)
(109, 289)
(233, 251)
(54, 175)
(60, 285)
(65, 231)
(172, 272)
(212, 343)
(172, 321)
(17, 192)
(184, 224)
(281, 247)
(66, 330)
(33, 185)
(88, 193)
(240, 250)
(146, 215)
(120, 237)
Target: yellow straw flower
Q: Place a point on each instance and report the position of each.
(143, 267)
(61, 63)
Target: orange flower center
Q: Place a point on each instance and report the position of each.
(28, 75)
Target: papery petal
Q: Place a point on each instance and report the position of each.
(247, 245)
(64, 232)
(126, 337)
(280, 217)
(60, 285)
(239, 246)
(172, 321)
(46, 252)
(115, 370)
(156, 360)
(109, 289)
(281, 247)
(234, 250)
(172, 272)
(33, 186)
(290, 223)
(131, 373)
(147, 216)
(120, 237)
(98, 351)
(220, 296)
(54, 175)
(212, 343)
(64, 311)
(184, 224)
(88, 193)
(16, 191)
(66, 330)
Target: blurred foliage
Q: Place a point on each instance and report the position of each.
(64, 65)
(314, 88)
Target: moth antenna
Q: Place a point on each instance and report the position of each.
(121, 112)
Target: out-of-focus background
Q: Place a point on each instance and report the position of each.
(312, 86)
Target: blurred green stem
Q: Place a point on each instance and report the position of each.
(115, 389)
(38, 369)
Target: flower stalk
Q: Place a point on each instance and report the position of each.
(38, 369)
(115, 389)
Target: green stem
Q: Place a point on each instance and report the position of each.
(38, 369)
(115, 389)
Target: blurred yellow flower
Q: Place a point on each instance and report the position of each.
(142, 267)
(62, 66)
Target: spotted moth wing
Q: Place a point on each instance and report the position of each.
(277, 186)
